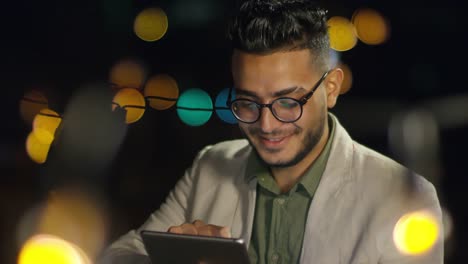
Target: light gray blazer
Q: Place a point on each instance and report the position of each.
(361, 196)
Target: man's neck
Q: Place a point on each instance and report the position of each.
(286, 178)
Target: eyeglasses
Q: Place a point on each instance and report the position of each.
(285, 109)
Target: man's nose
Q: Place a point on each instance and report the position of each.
(268, 121)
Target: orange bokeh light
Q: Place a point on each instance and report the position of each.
(31, 104)
(371, 27)
(128, 74)
(132, 101)
(164, 86)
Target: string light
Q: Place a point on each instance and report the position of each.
(31, 104)
(132, 101)
(45, 124)
(35, 149)
(162, 90)
(194, 107)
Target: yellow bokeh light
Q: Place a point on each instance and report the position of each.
(151, 24)
(127, 74)
(371, 27)
(47, 249)
(85, 225)
(347, 78)
(132, 101)
(36, 150)
(416, 233)
(164, 86)
(45, 124)
(342, 33)
(30, 105)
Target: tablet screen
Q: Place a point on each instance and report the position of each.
(168, 248)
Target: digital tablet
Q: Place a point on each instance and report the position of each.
(169, 248)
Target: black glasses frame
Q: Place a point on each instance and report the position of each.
(302, 101)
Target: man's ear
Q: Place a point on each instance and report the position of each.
(333, 86)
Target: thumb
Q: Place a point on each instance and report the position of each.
(225, 232)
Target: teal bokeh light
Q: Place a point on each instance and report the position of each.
(194, 107)
(222, 110)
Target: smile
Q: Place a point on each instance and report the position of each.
(273, 142)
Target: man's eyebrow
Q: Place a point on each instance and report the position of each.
(286, 91)
(240, 91)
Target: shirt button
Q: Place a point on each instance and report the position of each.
(280, 201)
(274, 258)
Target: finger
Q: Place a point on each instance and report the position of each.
(198, 223)
(214, 230)
(189, 229)
(175, 230)
(207, 230)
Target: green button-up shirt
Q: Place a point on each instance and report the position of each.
(280, 218)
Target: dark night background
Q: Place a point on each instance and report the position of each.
(60, 46)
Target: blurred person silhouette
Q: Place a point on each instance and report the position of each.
(298, 189)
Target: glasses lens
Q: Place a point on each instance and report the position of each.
(286, 109)
(245, 110)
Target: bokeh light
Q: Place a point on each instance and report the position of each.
(48, 249)
(161, 91)
(222, 109)
(128, 73)
(132, 101)
(45, 124)
(194, 107)
(371, 27)
(31, 104)
(35, 149)
(347, 78)
(151, 24)
(416, 233)
(84, 225)
(447, 223)
(342, 33)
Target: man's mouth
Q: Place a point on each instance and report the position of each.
(273, 142)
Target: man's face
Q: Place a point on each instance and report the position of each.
(263, 78)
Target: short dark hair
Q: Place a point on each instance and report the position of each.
(267, 26)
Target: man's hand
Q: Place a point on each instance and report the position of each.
(198, 227)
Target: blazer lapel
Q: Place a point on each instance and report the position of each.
(323, 208)
(244, 214)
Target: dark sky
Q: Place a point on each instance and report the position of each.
(60, 46)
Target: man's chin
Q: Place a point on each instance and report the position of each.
(276, 162)
(280, 164)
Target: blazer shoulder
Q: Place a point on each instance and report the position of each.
(226, 150)
(380, 170)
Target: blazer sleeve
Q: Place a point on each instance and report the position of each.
(129, 248)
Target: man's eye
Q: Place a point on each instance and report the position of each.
(286, 103)
(246, 104)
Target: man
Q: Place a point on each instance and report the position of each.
(299, 189)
